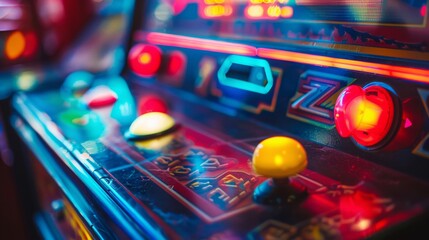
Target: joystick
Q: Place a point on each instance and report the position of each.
(279, 158)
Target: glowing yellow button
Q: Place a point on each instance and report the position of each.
(279, 157)
(151, 123)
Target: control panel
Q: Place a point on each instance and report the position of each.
(253, 119)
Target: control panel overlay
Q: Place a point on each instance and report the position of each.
(197, 182)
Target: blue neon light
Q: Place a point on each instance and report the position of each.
(247, 84)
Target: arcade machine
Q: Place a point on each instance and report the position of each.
(241, 119)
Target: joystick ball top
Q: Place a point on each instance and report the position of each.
(279, 157)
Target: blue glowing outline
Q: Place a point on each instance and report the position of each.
(241, 84)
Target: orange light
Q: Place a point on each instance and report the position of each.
(414, 74)
(377, 3)
(274, 11)
(200, 44)
(287, 12)
(214, 1)
(145, 60)
(254, 11)
(365, 114)
(217, 11)
(15, 45)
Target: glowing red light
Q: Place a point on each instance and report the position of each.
(100, 96)
(365, 114)
(360, 205)
(176, 63)
(102, 101)
(200, 44)
(413, 74)
(31, 44)
(423, 10)
(145, 60)
(152, 103)
(406, 73)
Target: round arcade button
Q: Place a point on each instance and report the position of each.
(145, 60)
(100, 96)
(151, 125)
(152, 103)
(365, 114)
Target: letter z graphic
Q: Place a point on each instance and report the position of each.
(315, 98)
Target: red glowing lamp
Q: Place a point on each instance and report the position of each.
(145, 60)
(176, 63)
(152, 103)
(423, 10)
(364, 114)
(31, 43)
(100, 96)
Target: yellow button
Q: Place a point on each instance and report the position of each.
(279, 157)
(151, 123)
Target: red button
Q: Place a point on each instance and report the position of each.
(364, 114)
(100, 96)
(176, 63)
(145, 60)
(152, 103)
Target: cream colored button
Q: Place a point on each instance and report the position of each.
(151, 123)
(279, 157)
